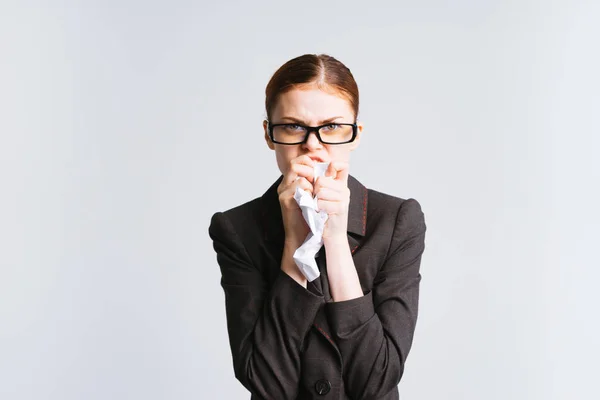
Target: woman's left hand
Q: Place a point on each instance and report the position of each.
(333, 196)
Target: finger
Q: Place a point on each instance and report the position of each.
(304, 159)
(309, 164)
(330, 172)
(330, 207)
(330, 183)
(300, 182)
(324, 193)
(303, 170)
(295, 171)
(287, 195)
(342, 175)
(338, 170)
(303, 183)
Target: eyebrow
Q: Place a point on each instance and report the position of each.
(299, 121)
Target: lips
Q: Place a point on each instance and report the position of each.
(316, 158)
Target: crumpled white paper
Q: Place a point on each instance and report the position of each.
(305, 255)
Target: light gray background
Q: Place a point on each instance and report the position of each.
(126, 124)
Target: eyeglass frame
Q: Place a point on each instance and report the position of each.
(314, 129)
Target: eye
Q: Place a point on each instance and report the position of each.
(293, 127)
(331, 127)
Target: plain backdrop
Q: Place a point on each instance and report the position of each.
(126, 124)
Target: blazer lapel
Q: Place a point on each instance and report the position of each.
(357, 212)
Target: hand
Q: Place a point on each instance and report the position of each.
(294, 224)
(334, 198)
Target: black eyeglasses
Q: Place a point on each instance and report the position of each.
(331, 133)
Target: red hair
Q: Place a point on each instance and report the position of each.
(322, 70)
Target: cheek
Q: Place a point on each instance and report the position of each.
(284, 155)
(339, 154)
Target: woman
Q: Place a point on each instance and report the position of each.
(346, 334)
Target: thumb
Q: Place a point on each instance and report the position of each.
(330, 172)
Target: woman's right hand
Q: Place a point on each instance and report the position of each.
(294, 224)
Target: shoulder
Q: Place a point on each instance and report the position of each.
(385, 205)
(395, 225)
(394, 216)
(242, 211)
(232, 220)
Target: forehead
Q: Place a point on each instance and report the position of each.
(312, 104)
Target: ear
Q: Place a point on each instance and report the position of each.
(356, 141)
(267, 138)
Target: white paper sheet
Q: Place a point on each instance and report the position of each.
(305, 255)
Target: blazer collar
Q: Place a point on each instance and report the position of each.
(357, 213)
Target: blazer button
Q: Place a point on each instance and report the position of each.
(322, 386)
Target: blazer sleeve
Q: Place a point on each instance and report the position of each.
(374, 332)
(266, 326)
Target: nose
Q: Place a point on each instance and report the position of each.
(312, 142)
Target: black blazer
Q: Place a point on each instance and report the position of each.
(291, 342)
